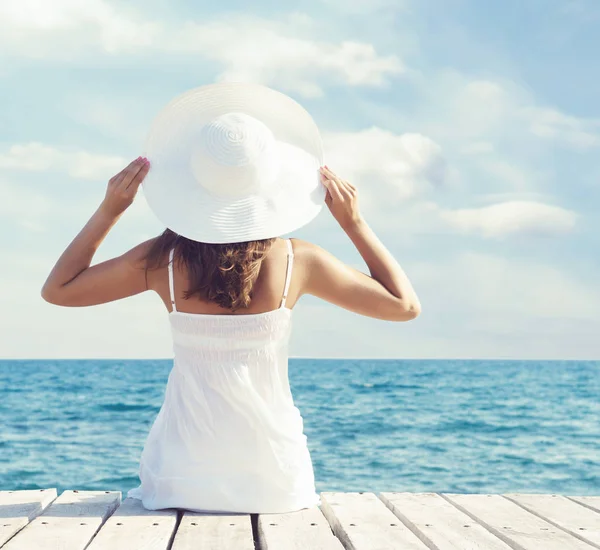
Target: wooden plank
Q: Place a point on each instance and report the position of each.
(301, 530)
(18, 508)
(515, 526)
(581, 522)
(593, 503)
(362, 522)
(69, 522)
(214, 531)
(439, 524)
(132, 527)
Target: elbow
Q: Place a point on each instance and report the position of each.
(413, 312)
(416, 311)
(51, 296)
(47, 295)
(408, 312)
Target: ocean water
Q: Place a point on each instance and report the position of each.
(398, 425)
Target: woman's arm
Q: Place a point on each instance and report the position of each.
(383, 267)
(72, 282)
(387, 293)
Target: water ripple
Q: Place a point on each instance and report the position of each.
(372, 425)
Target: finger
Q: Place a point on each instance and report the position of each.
(335, 191)
(326, 171)
(139, 177)
(130, 173)
(326, 184)
(342, 186)
(348, 188)
(114, 178)
(117, 179)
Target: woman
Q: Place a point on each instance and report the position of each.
(228, 437)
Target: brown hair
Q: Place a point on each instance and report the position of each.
(220, 273)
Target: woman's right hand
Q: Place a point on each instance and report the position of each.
(341, 199)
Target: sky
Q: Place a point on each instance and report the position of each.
(471, 130)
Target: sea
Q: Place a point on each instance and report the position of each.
(445, 426)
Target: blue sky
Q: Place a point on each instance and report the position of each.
(472, 130)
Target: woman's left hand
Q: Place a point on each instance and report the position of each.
(123, 187)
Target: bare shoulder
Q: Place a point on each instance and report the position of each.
(136, 256)
(307, 251)
(318, 266)
(309, 258)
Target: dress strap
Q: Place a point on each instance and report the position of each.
(288, 273)
(171, 286)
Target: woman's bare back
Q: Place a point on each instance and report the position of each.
(267, 289)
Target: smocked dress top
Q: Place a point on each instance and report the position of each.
(228, 437)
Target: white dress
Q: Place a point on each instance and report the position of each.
(228, 437)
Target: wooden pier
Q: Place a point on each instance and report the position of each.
(98, 520)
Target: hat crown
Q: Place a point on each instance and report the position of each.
(236, 139)
(235, 155)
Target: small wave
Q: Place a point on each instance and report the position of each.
(112, 481)
(125, 407)
(385, 386)
(475, 426)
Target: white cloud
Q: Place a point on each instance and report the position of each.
(38, 157)
(526, 289)
(37, 14)
(489, 115)
(92, 331)
(486, 286)
(390, 166)
(510, 173)
(466, 108)
(484, 305)
(512, 218)
(497, 136)
(273, 52)
(366, 7)
(268, 52)
(551, 124)
(24, 206)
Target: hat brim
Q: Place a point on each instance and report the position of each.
(190, 210)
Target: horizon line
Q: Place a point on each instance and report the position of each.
(305, 358)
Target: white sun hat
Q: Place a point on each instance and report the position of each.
(234, 162)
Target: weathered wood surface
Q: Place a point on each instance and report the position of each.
(98, 520)
(439, 524)
(214, 532)
(303, 529)
(581, 522)
(132, 526)
(361, 520)
(514, 525)
(69, 522)
(18, 508)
